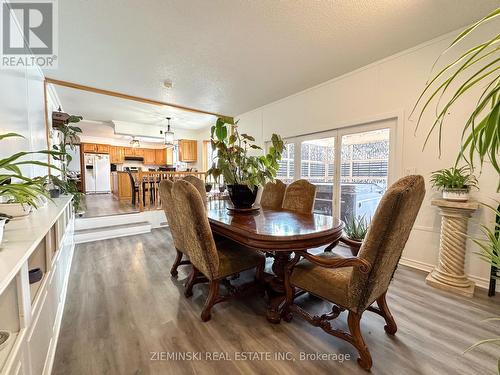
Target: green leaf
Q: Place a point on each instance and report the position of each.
(9, 135)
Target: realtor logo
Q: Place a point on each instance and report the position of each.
(29, 34)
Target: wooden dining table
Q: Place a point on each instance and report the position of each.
(277, 231)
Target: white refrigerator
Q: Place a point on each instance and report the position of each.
(97, 173)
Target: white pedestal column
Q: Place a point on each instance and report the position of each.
(449, 273)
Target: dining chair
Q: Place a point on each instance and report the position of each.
(299, 196)
(174, 225)
(198, 184)
(210, 260)
(272, 195)
(355, 283)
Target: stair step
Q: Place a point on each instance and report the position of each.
(111, 231)
(105, 221)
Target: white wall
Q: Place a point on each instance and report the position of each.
(22, 111)
(387, 88)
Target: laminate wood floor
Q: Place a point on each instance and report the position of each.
(96, 205)
(122, 306)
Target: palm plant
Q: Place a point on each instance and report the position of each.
(477, 68)
(14, 186)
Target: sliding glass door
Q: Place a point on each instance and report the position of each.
(350, 167)
(317, 165)
(364, 172)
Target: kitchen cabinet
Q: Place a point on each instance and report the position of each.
(188, 150)
(128, 151)
(95, 148)
(138, 151)
(89, 147)
(116, 154)
(149, 156)
(102, 149)
(122, 186)
(161, 156)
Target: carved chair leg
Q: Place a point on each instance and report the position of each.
(177, 262)
(190, 282)
(390, 326)
(213, 293)
(365, 359)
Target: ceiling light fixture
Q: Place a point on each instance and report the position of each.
(135, 143)
(169, 135)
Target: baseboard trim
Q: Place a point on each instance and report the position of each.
(480, 282)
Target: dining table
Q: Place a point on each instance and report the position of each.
(280, 232)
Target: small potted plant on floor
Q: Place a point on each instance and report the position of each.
(455, 183)
(243, 173)
(354, 232)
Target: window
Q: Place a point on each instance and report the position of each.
(317, 166)
(350, 167)
(364, 172)
(287, 164)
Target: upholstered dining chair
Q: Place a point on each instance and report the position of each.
(299, 196)
(355, 283)
(198, 184)
(213, 261)
(272, 195)
(173, 222)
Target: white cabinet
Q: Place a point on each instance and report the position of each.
(33, 312)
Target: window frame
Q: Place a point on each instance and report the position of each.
(390, 123)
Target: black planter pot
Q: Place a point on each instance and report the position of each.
(208, 187)
(54, 193)
(242, 196)
(35, 275)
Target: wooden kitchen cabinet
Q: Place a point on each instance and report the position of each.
(116, 154)
(138, 152)
(102, 149)
(188, 150)
(128, 151)
(149, 156)
(160, 156)
(95, 148)
(89, 147)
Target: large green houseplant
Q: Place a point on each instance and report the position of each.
(243, 173)
(68, 139)
(18, 193)
(474, 74)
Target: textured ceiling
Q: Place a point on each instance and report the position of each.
(231, 56)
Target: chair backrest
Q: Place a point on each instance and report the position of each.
(132, 181)
(272, 195)
(299, 196)
(198, 184)
(386, 238)
(167, 204)
(197, 235)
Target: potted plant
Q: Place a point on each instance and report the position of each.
(63, 184)
(18, 193)
(354, 232)
(454, 182)
(243, 173)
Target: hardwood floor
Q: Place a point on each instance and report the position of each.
(122, 305)
(96, 205)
